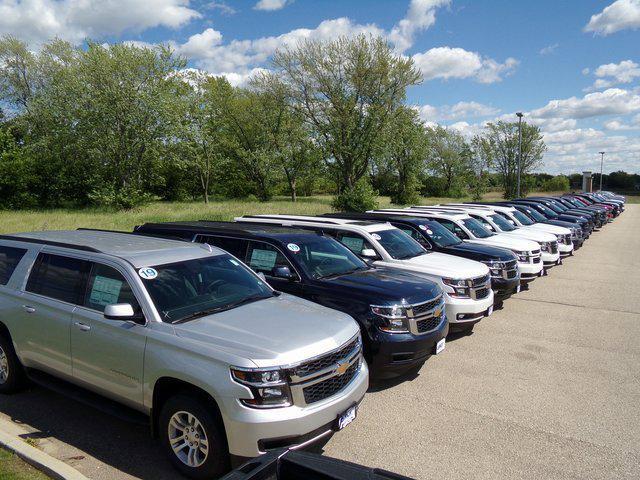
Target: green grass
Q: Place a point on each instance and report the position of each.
(29, 220)
(13, 468)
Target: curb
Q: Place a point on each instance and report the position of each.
(46, 463)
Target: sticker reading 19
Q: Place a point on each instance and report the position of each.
(148, 273)
(293, 247)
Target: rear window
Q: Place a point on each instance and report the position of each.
(59, 277)
(9, 259)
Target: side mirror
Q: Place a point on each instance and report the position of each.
(123, 312)
(284, 272)
(368, 253)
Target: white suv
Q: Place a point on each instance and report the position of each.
(498, 224)
(470, 230)
(466, 283)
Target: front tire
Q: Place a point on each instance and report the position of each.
(11, 372)
(193, 438)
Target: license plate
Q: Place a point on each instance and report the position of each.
(490, 311)
(518, 288)
(440, 345)
(347, 417)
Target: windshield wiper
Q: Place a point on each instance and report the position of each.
(229, 306)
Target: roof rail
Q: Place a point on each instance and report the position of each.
(50, 243)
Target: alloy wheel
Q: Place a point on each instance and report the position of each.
(188, 439)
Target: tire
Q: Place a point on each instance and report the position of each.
(11, 371)
(183, 421)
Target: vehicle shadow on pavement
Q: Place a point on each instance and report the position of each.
(92, 437)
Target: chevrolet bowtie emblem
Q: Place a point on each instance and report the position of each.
(437, 313)
(342, 368)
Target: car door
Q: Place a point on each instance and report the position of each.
(54, 287)
(108, 355)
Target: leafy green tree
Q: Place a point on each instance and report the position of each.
(479, 165)
(502, 146)
(346, 90)
(287, 132)
(559, 183)
(403, 155)
(449, 157)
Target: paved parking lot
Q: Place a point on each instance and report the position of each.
(548, 387)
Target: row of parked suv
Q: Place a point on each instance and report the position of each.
(238, 338)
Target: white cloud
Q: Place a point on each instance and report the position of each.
(620, 15)
(549, 49)
(451, 62)
(458, 111)
(420, 16)
(271, 5)
(208, 51)
(222, 7)
(36, 21)
(613, 101)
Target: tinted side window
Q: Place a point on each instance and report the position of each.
(354, 242)
(235, 246)
(59, 277)
(264, 258)
(107, 286)
(9, 259)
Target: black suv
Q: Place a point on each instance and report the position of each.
(505, 278)
(401, 316)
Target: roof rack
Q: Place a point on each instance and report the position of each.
(286, 218)
(50, 243)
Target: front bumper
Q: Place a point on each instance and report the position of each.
(529, 271)
(565, 250)
(504, 288)
(392, 354)
(247, 428)
(463, 311)
(550, 259)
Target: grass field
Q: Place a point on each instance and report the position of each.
(13, 468)
(29, 220)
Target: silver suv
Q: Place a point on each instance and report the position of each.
(184, 333)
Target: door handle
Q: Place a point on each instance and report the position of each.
(82, 326)
(29, 309)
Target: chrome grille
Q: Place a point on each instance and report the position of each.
(423, 318)
(325, 361)
(480, 281)
(481, 293)
(421, 308)
(428, 324)
(330, 386)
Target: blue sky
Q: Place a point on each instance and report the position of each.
(571, 66)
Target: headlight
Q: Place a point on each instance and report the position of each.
(268, 386)
(392, 318)
(459, 286)
(544, 246)
(522, 256)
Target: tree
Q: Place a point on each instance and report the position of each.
(479, 163)
(502, 148)
(287, 132)
(449, 156)
(346, 90)
(405, 149)
(200, 128)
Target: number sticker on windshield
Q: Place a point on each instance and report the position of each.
(293, 247)
(148, 273)
(430, 232)
(376, 236)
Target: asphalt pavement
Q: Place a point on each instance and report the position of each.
(547, 387)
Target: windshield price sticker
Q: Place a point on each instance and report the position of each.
(423, 227)
(376, 236)
(293, 247)
(430, 232)
(148, 273)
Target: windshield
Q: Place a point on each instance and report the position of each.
(439, 234)
(553, 207)
(194, 288)
(502, 223)
(476, 228)
(537, 216)
(398, 244)
(325, 257)
(522, 218)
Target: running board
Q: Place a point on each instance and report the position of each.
(86, 397)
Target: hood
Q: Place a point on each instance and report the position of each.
(273, 332)
(508, 241)
(384, 284)
(444, 265)
(545, 227)
(535, 235)
(481, 253)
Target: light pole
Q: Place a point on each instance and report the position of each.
(601, 162)
(519, 114)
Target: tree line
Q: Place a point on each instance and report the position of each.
(119, 125)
